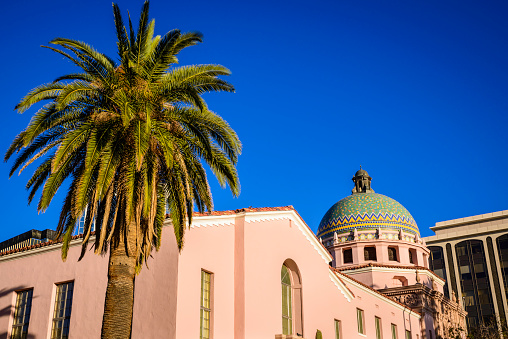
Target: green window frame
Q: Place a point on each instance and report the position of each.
(62, 311)
(378, 328)
(287, 309)
(408, 334)
(337, 329)
(22, 314)
(394, 331)
(360, 319)
(206, 305)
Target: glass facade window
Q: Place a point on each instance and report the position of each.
(337, 329)
(392, 254)
(502, 249)
(348, 256)
(206, 305)
(474, 282)
(22, 314)
(437, 265)
(394, 331)
(378, 328)
(62, 311)
(408, 334)
(370, 253)
(287, 312)
(360, 319)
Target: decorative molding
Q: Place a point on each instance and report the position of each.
(212, 221)
(43, 249)
(297, 220)
(263, 216)
(224, 220)
(424, 272)
(341, 286)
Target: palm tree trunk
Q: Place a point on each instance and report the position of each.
(118, 306)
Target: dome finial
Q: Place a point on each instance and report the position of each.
(362, 182)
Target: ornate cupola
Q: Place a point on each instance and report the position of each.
(362, 182)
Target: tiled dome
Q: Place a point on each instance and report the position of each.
(365, 211)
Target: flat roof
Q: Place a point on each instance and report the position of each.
(470, 220)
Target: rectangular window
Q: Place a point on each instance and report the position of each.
(337, 329)
(378, 328)
(394, 331)
(348, 256)
(408, 334)
(206, 305)
(62, 313)
(22, 314)
(359, 318)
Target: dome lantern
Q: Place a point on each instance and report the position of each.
(362, 182)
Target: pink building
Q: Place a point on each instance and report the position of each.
(365, 276)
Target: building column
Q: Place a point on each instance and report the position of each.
(453, 272)
(500, 278)
(494, 280)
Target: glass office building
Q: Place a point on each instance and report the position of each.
(472, 255)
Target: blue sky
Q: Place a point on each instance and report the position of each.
(415, 92)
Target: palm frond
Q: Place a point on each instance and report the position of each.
(121, 33)
(142, 35)
(40, 93)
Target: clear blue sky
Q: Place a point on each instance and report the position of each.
(414, 91)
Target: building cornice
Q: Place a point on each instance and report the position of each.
(41, 248)
(470, 220)
(253, 215)
(372, 267)
(378, 295)
(341, 286)
(213, 219)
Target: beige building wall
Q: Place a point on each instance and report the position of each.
(478, 227)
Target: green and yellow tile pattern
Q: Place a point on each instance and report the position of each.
(365, 211)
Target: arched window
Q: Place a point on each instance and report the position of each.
(287, 304)
(291, 299)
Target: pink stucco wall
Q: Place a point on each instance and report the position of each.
(269, 244)
(245, 253)
(41, 269)
(155, 293)
(246, 259)
(210, 248)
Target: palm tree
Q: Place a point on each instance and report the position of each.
(131, 138)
